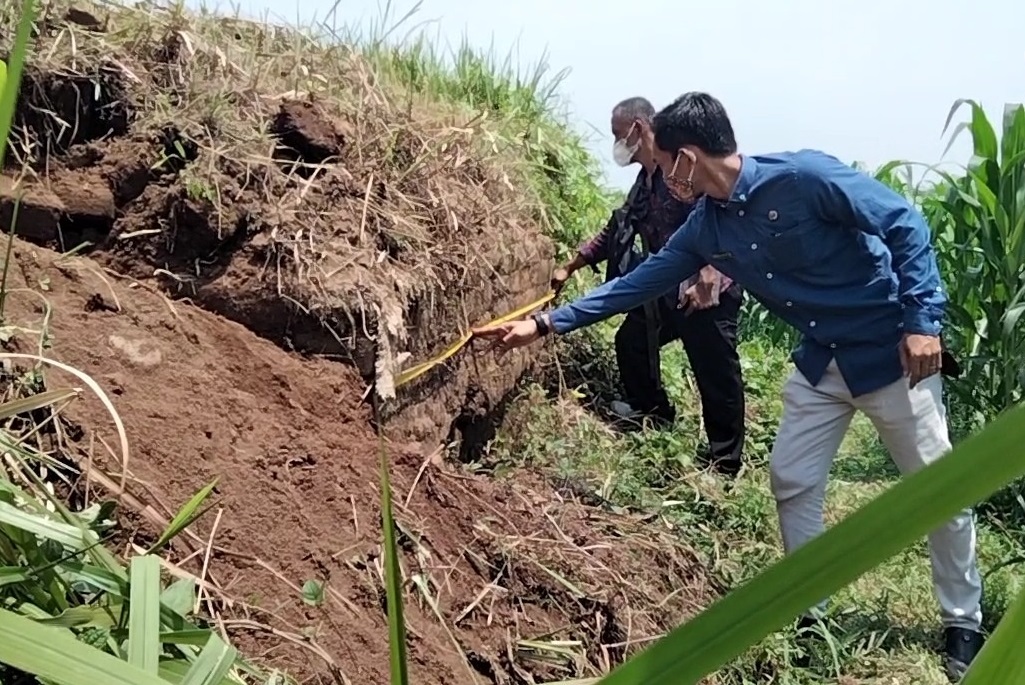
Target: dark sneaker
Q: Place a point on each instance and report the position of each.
(962, 645)
(726, 467)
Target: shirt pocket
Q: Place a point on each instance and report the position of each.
(791, 245)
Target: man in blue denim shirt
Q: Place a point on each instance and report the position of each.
(848, 263)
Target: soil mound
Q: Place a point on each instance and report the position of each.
(280, 181)
(506, 582)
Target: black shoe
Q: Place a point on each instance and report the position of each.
(807, 635)
(726, 467)
(962, 646)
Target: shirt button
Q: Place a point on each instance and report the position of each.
(789, 303)
(935, 323)
(900, 325)
(832, 345)
(769, 275)
(903, 306)
(812, 324)
(754, 246)
(740, 213)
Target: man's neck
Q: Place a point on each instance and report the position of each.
(649, 164)
(721, 177)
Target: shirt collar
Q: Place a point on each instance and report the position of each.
(745, 182)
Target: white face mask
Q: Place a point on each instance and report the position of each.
(623, 154)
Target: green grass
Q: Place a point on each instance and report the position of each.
(883, 626)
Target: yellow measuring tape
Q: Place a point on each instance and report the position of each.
(415, 372)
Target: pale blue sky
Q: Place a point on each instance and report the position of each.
(870, 80)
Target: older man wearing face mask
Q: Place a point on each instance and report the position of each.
(702, 312)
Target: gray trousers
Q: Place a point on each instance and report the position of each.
(912, 424)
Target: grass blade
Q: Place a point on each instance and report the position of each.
(53, 654)
(37, 401)
(185, 517)
(975, 469)
(12, 73)
(393, 582)
(213, 663)
(144, 614)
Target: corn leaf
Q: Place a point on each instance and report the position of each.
(897, 518)
(144, 614)
(1002, 660)
(53, 654)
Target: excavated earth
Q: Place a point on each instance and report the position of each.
(236, 346)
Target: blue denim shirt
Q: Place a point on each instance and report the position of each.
(831, 251)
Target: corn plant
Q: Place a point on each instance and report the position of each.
(978, 221)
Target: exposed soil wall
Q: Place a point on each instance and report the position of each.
(358, 231)
(297, 499)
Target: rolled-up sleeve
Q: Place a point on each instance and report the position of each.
(843, 195)
(654, 277)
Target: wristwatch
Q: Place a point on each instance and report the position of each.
(542, 325)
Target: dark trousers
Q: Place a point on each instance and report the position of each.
(709, 338)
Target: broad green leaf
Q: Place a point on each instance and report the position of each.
(55, 655)
(313, 593)
(897, 518)
(184, 518)
(196, 636)
(1002, 660)
(86, 615)
(67, 535)
(213, 664)
(173, 671)
(180, 596)
(144, 614)
(10, 575)
(393, 582)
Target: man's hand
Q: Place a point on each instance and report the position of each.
(508, 336)
(704, 294)
(559, 279)
(566, 271)
(921, 356)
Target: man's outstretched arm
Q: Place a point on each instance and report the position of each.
(655, 276)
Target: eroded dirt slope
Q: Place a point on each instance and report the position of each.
(289, 440)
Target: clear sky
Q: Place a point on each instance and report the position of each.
(871, 80)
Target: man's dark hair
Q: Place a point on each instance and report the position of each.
(634, 108)
(696, 119)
